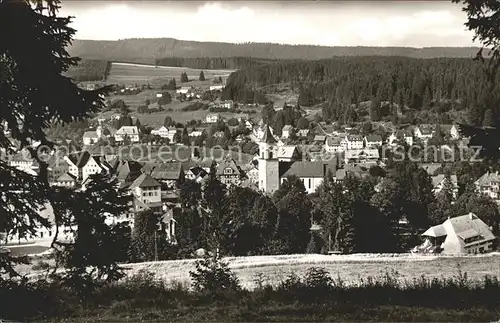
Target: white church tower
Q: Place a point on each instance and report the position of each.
(269, 178)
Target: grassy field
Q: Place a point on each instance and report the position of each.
(351, 268)
(124, 73)
(365, 287)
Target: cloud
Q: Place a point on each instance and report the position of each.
(329, 24)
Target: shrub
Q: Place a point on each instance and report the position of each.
(212, 275)
(41, 265)
(317, 278)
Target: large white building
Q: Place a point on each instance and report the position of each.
(131, 131)
(489, 184)
(466, 234)
(353, 142)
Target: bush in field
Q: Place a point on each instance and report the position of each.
(212, 275)
(41, 265)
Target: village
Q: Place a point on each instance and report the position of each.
(308, 152)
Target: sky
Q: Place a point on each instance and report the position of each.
(327, 23)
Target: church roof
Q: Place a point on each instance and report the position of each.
(268, 136)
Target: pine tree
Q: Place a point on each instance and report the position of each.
(142, 247)
(94, 245)
(184, 78)
(32, 76)
(202, 76)
(185, 138)
(216, 221)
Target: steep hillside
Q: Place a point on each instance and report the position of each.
(148, 50)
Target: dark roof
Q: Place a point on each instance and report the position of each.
(309, 169)
(229, 163)
(372, 138)
(128, 169)
(268, 136)
(66, 177)
(143, 181)
(79, 159)
(167, 171)
(198, 171)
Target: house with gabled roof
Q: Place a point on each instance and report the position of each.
(333, 145)
(66, 180)
(303, 133)
(372, 141)
(320, 139)
(288, 153)
(353, 142)
(424, 131)
(213, 118)
(147, 193)
(450, 130)
(90, 138)
(168, 173)
(127, 131)
(466, 234)
(401, 136)
(310, 173)
(230, 173)
(77, 162)
(196, 174)
(361, 155)
(489, 184)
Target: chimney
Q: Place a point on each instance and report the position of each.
(471, 216)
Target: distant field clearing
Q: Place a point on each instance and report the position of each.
(135, 73)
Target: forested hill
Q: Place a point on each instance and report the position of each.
(421, 85)
(147, 50)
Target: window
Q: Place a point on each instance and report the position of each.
(270, 155)
(310, 185)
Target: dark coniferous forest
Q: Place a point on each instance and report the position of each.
(417, 84)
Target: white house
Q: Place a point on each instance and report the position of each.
(90, 138)
(184, 90)
(373, 141)
(65, 180)
(303, 133)
(195, 133)
(228, 104)
(285, 132)
(438, 183)
(451, 131)
(400, 135)
(333, 145)
(466, 234)
(489, 184)
(162, 132)
(353, 142)
(165, 132)
(424, 132)
(218, 87)
(361, 155)
(213, 118)
(22, 161)
(147, 193)
(131, 131)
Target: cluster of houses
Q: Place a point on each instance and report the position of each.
(336, 152)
